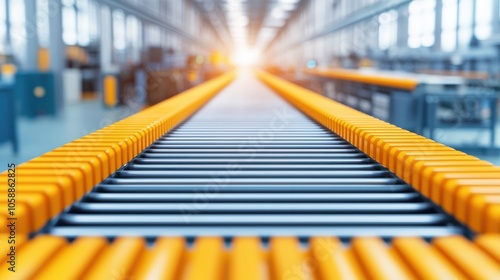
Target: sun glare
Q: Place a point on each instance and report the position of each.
(246, 57)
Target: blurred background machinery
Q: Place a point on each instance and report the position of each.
(427, 66)
(62, 60)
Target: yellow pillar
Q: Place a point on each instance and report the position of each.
(110, 91)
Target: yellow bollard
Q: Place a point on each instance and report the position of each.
(110, 91)
(43, 59)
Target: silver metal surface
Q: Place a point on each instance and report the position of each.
(264, 231)
(263, 166)
(307, 174)
(250, 208)
(193, 219)
(209, 188)
(255, 197)
(236, 168)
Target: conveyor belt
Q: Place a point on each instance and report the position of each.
(94, 258)
(213, 196)
(249, 163)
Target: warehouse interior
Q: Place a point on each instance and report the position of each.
(250, 139)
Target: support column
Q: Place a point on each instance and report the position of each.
(457, 28)
(495, 19)
(438, 24)
(474, 42)
(31, 35)
(145, 43)
(402, 39)
(56, 48)
(7, 24)
(106, 40)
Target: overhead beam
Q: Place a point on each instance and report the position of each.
(259, 21)
(30, 11)
(223, 35)
(227, 36)
(56, 48)
(294, 15)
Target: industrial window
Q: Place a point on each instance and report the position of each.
(3, 25)
(42, 22)
(449, 25)
(465, 22)
(320, 18)
(421, 23)
(93, 21)
(388, 29)
(17, 22)
(483, 19)
(69, 22)
(83, 22)
(134, 34)
(119, 34)
(18, 30)
(152, 35)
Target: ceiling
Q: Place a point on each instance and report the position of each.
(248, 24)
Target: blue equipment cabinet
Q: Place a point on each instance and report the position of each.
(8, 129)
(35, 93)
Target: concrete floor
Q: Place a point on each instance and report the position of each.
(40, 135)
(43, 134)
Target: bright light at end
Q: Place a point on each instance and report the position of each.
(246, 57)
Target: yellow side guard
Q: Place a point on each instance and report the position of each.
(451, 257)
(463, 185)
(367, 78)
(49, 183)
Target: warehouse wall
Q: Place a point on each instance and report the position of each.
(440, 34)
(134, 26)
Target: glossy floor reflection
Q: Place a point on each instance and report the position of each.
(43, 134)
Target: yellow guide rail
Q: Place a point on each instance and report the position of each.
(367, 78)
(48, 184)
(95, 258)
(464, 186)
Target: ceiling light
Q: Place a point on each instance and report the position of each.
(287, 7)
(279, 13)
(238, 21)
(245, 57)
(274, 22)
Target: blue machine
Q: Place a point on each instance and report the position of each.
(35, 93)
(8, 129)
(437, 102)
(476, 110)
